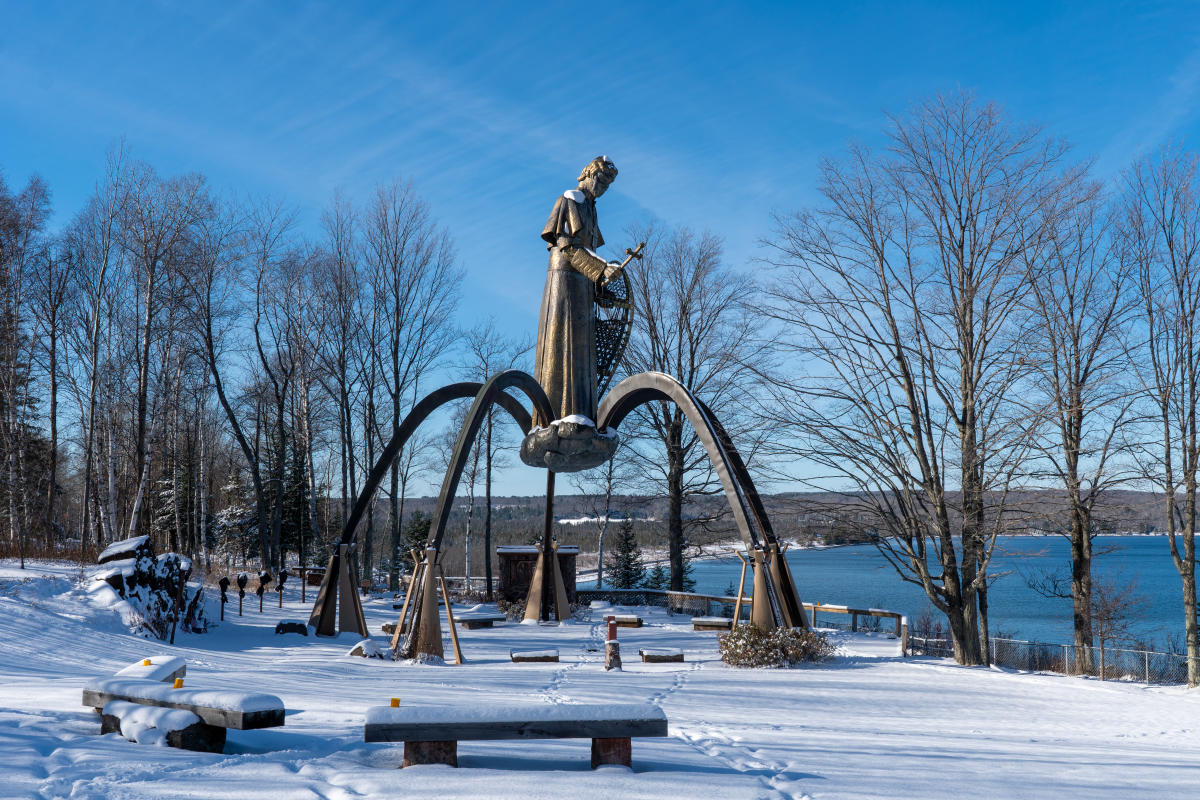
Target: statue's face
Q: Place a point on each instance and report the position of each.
(595, 184)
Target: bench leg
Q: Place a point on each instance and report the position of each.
(200, 737)
(612, 751)
(430, 753)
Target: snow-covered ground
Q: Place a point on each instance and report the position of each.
(869, 724)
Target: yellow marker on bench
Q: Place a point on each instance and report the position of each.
(179, 683)
(145, 662)
(395, 702)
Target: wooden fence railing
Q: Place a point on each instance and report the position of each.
(722, 606)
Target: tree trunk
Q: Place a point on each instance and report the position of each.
(675, 501)
(1189, 626)
(394, 549)
(1081, 592)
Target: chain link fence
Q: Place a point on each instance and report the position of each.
(1105, 663)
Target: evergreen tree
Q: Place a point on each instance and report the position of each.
(624, 563)
(657, 579)
(416, 535)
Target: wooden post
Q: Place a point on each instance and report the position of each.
(402, 622)
(303, 582)
(450, 618)
(430, 753)
(737, 607)
(612, 751)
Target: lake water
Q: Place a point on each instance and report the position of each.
(859, 576)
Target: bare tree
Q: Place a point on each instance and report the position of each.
(599, 490)
(91, 243)
(691, 323)
(409, 264)
(1080, 301)
(215, 284)
(1160, 243)
(156, 218)
(1114, 603)
(486, 353)
(23, 217)
(901, 299)
(339, 297)
(50, 304)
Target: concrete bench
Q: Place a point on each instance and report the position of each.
(215, 710)
(660, 655)
(711, 623)
(533, 656)
(431, 733)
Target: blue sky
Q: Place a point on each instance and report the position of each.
(715, 114)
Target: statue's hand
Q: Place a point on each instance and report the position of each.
(612, 271)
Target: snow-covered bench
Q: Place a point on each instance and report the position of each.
(478, 619)
(118, 700)
(627, 620)
(155, 668)
(660, 655)
(526, 656)
(431, 733)
(711, 623)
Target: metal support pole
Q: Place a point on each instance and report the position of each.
(548, 552)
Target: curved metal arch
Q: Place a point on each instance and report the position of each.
(795, 609)
(738, 467)
(419, 413)
(645, 387)
(748, 511)
(490, 393)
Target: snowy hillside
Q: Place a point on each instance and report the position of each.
(867, 725)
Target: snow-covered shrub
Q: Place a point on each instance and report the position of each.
(748, 646)
(514, 611)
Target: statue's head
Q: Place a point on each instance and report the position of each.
(597, 176)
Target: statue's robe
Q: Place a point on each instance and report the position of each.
(565, 362)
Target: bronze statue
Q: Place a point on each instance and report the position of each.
(565, 363)
(582, 332)
(565, 360)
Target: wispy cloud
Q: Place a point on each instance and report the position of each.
(1161, 122)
